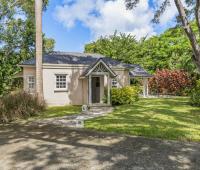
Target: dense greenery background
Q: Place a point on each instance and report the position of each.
(170, 50)
(17, 38)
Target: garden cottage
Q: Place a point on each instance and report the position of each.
(81, 78)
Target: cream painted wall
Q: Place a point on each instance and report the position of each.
(77, 89)
(28, 71)
(73, 95)
(122, 77)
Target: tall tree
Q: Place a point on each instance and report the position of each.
(184, 15)
(39, 49)
(17, 38)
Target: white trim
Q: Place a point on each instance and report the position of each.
(32, 66)
(107, 67)
(114, 83)
(56, 89)
(30, 90)
(90, 90)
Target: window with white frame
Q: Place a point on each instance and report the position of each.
(114, 83)
(61, 81)
(31, 82)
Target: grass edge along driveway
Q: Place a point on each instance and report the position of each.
(166, 118)
(58, 111)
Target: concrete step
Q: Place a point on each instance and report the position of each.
(98, 109)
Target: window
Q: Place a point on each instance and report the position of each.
(31, 82)
(61, 81)
(114, 83)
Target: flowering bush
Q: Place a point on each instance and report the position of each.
(170, 82)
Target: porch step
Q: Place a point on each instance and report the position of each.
(99, 109)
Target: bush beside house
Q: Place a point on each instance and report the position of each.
(19, 105)
(125, 95)
(195, 95)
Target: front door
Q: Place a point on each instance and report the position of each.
(95, 89)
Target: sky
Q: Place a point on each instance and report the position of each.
(74, 23)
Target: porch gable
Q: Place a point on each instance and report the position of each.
(99, 68)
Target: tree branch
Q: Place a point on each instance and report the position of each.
(197, 14)
(189, 31)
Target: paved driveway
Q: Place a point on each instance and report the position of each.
(58, 148)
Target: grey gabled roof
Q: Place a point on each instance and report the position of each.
(137, 71)
(88, 60)
(72, 58)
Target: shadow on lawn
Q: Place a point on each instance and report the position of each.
(50, 146)
(166, 119)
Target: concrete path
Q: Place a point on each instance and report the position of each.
(76, 121)
(52, 147)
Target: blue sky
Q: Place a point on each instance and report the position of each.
(73, 23)
(66, 39)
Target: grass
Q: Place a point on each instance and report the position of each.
(172, 119)
(60, 111)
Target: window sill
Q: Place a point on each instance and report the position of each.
(60, 90)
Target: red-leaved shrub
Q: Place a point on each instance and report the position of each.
(173, 82)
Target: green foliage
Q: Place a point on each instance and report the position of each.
(120, 47)
(195, 95)
(17, 38)
(19, 105)
(125, 95)
(170, 50)
(17, 84)
(49, 44)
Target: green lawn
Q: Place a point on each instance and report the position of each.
(158, 118)
(58, 112)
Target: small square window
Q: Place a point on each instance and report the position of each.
(61, 82)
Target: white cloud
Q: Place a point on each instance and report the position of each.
(169, 14)
(104, 17)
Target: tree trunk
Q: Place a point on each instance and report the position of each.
(39, 48)
(189, 31)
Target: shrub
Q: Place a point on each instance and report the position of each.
(19, 105)
(125, 95)
(170, 82)
(195, 95)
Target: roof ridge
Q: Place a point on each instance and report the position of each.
(78, 54)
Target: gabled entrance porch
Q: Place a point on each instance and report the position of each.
(99, 87)
(99, 77)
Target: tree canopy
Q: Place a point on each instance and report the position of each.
(189, 11)
(17, 38)
(170, 50)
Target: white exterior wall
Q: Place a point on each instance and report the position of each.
(77, 89)
(123, 77)
(73, 95)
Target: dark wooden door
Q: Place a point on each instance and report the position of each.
(95, 89)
